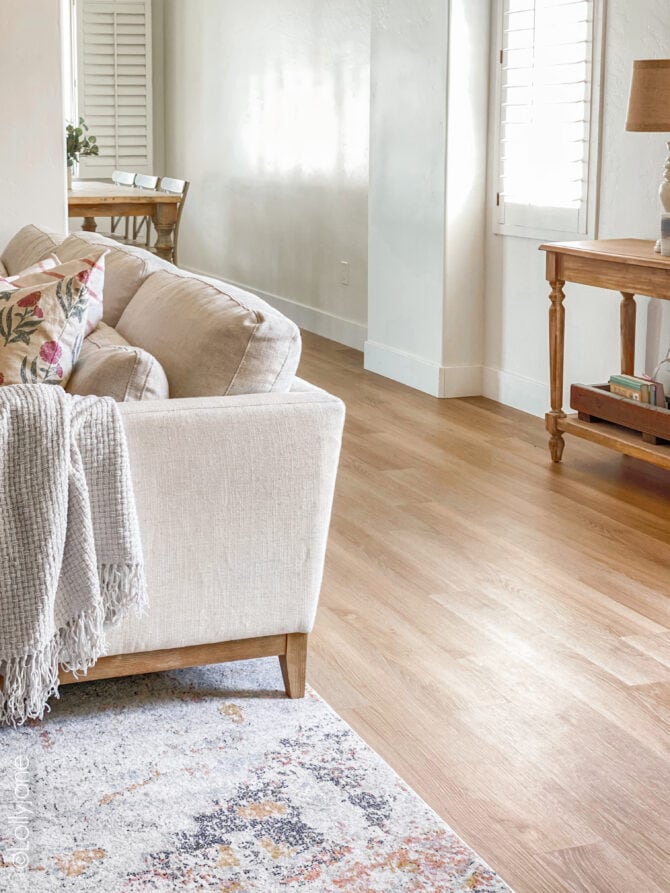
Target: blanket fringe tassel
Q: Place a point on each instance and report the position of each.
(29, 680)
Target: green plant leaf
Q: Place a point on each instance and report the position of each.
(8, 325)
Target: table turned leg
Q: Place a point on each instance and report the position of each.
(164, 245)
(627, 311)
(164, 219)
(556, 351)
(89, 225)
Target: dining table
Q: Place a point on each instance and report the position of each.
(95, 198)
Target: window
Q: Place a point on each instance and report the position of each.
(548, 110)
(114, 83)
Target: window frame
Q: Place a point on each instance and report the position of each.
(547, 225)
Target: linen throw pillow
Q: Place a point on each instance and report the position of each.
(42, 329)
(94, 259)
(210, 337)
(110, 367)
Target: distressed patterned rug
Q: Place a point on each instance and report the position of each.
(210, 779)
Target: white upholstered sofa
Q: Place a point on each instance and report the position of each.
(233, 489)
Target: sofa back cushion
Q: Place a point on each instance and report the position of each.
(30, 245)
(110, 367)
(126, 269)
(211, 338)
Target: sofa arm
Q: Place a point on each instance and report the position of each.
(234, 497)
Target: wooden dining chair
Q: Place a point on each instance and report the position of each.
(122, 178)
(143, 181)
(175, 187)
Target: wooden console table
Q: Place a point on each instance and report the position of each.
(631, 267)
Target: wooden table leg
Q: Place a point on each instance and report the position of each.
(556, 352)
(627, 311)
(89, 225)
(164, 219)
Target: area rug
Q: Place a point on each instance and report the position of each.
(210, 779)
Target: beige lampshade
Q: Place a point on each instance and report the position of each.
(649, 102)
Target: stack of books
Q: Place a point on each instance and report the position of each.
(639, 388)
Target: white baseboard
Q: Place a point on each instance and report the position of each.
(516, 391)
(320, 322)
(431, 378)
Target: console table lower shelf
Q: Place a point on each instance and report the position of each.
(614, 437)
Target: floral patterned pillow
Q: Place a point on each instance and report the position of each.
(42, 328)
(95, 261)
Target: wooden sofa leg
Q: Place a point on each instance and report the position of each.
(294, 664)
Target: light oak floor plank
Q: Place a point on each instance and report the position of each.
(498, 629)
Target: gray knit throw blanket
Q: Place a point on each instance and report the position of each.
(70, 551)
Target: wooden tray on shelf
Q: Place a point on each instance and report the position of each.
(595, 403)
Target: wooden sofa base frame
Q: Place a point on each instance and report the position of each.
(291, 649)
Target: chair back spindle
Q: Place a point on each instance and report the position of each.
(143, 181)
(122, 178)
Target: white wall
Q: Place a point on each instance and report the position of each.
(517, 293)
(267, 114)
(429, 69)
(407, 197)
(32, 153)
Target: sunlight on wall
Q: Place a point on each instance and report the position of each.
(302, 123)
(266, 109)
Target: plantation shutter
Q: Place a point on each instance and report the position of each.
(545, 115)
(114, 84)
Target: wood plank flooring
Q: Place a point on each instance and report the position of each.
(498, 629)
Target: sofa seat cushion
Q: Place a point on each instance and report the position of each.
(42, 328)
(127, 267)
(110, 367)
(212, 338)
(30, 245)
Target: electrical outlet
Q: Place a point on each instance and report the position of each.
(344, 269)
